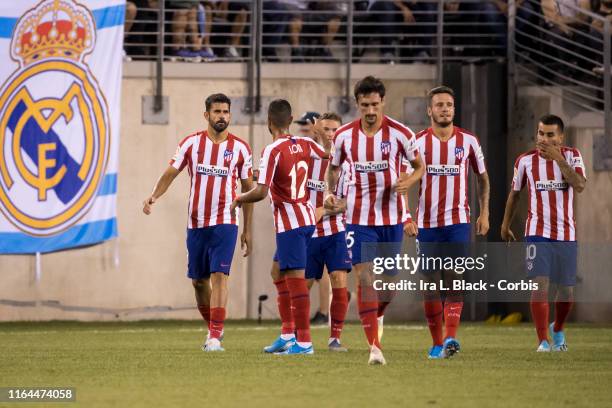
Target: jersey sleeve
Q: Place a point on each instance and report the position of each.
(577, 163)
(519, 178)
(245, 168)
(408, 146)
(180, 158)
(338, 154)
(476, 157)
(267, 165)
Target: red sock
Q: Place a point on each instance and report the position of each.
(338, 308)
(205, 312)
(217, 317)
(452, 316)
(539, 313)
(433, 314)
(300, 300)
(382, 306)
(283, 300)
(562, 309)
(368, 308)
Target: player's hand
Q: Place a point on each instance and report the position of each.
(340, 207)
(319, 213)
(506, 234)
(411, 229)
(331, 202)
(147, 204)
(235, 204)
(403, 184)
(549, 151)
(482, 225)
(245, 243)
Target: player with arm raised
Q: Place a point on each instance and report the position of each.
(443, 214)
(283, 172)
(374, 145)
(215, 160)
(551, 172)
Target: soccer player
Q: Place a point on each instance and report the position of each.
(443, 214)
(374, 145)
(215, 160)
(328, 247)
(551, 172)
(283, 172)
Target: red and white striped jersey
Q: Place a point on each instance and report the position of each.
(328, 224)
(551, 198)
(284, 168)
(214, 169)
(443, 192)
(406, 168)
(376, 163)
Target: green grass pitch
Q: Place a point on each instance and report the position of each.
(160, 364)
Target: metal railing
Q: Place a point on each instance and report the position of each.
(565, 51)
(319, 31)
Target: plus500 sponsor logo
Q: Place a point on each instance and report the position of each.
(210, 170)
(371, 166)
(443, 169)
(551, 185)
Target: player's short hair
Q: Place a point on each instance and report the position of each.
(550, 119)
(279, 113)
(217, 98)
(439, 90)
(369, 85)
(331, 116)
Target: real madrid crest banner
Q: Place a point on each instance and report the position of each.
(60, 76)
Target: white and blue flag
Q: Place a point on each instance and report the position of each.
(60, 88)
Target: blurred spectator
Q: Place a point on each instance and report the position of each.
(602, 8)
(282, 16)
(306, 124)
(205, 23)
(401, 18)
(322, 24)
(236, 14)
(185, 24)
(130, 15)
(567, 27)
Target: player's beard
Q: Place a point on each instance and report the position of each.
(371, 119)
(443, 123)
(220, 126)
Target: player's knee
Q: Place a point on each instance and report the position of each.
(199, 284)
(338, 279)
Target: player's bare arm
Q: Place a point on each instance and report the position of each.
(247, 213)
(331, 181)
(509, 213)
(405, 181)
(553, 152)
(252, 196)
(484, 189)
(160, 188)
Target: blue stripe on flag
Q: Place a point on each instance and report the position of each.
(104, 18)
(82, 235)
(6, 26)
(109, 16)
(109, 185)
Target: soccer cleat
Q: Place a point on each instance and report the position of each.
(279, 345)
(212, 345)
(451, 346)
(544, 347)
(558, 339)
(334, 345)
(296, 349)
(380, 326)
(319, 319)
(436, 352)
(376, 356)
